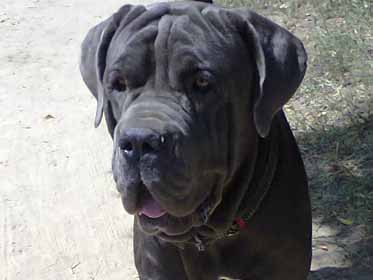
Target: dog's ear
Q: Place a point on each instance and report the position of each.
(281, 63)
(93, 58)
(95, 47)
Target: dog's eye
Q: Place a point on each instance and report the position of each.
(116, 81)
(119, 84)
(202, 80)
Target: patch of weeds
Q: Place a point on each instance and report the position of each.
(340, 167)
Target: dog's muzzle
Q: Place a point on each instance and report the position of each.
(135, 145)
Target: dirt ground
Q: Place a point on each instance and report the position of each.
(60, 215)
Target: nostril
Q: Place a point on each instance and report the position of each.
(126, 146)
(147, 148)
(152, 144)
(136, 143)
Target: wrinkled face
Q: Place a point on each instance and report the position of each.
(179, 89)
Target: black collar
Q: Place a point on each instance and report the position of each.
(260, 184)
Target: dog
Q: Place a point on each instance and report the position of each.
(203, 155)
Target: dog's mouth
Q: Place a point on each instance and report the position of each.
(155, 220)
(150, 208)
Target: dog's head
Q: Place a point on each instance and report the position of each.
(186, 88)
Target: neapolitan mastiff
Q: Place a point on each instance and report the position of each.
(204, 158)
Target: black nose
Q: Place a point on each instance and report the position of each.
(137, 142)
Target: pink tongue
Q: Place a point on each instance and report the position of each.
(151, 208)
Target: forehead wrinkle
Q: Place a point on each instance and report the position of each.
(178, 30)
(186, 38)
(161, 50)
(188, 48)
(134, 51)
(186, 32)
(126, 39)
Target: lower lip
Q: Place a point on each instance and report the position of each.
(151, 208)
(152, 215)
(164, 226)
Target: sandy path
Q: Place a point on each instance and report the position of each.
(60, 215)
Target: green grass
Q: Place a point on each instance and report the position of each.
(332, 112)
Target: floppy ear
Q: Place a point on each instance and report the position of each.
(93, 62)
(281, 62)
(95, 47)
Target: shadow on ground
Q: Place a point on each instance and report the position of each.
(342, 255)
(339, 162)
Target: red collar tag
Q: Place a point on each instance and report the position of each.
(241, 223)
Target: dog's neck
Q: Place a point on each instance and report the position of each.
(261, 181)
(230, 221)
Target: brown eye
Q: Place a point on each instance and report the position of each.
(202, 81)
(117, 81)
(119, 84)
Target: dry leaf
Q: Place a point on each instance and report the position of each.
(346, 222)
(48, 117)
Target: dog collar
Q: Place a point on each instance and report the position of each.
(259, 186)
